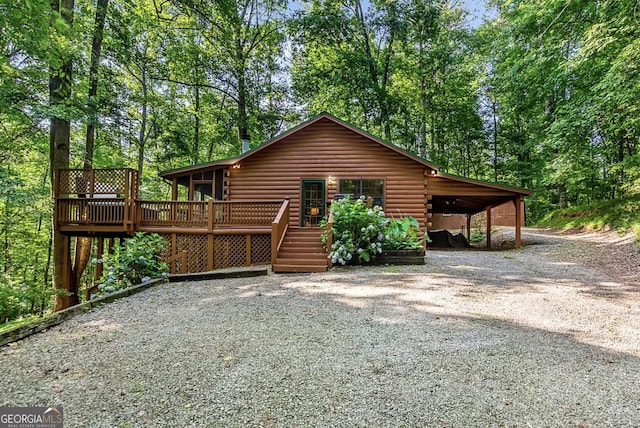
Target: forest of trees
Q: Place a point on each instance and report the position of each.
(544, 96)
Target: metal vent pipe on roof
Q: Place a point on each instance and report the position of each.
(246, 144)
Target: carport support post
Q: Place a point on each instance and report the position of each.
(488, 211)
(468, 227)
(518, 203)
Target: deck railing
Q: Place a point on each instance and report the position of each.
(206, 214)
(172, 213)
(84, 211)
(90, 183)
(164, 214)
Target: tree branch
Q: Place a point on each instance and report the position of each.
(192, 85)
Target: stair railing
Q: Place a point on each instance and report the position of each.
(279, 228)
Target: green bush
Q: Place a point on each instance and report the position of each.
(360, 232)
(135, 261)
(403, 234)
(476, 236)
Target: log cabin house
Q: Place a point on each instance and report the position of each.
(264, 206)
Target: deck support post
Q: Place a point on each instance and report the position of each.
(99, 254)
(488, 211)
(248, 249)
(99, 267)
(518, 204)
(174, 251)
(468, 227)
(210, 259)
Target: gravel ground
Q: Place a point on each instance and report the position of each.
(543, 336)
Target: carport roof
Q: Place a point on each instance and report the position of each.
(460, 195)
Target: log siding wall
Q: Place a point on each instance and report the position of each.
(322, 150)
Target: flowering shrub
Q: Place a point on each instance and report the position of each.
(360, 232)
(134, 261)
(357, 231)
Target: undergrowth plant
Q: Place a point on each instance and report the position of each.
(134, 261)
(403, 234)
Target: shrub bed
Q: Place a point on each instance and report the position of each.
(361, 233)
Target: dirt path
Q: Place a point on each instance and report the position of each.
(544, 336)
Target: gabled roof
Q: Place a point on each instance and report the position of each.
(473, 204)
(233, 160)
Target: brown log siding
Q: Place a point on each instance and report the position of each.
(502, 215)
(327, 149)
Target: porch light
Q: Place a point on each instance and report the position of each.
(236, 166)
(434, 172)
(330, 180)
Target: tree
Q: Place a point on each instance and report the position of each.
(240, 43)
(560, 117)
(60, 83)
(344, 60)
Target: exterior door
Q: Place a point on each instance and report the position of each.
(313, 202)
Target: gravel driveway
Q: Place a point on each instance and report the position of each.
(516, 338)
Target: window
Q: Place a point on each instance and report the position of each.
(201, 190)
(357, 187)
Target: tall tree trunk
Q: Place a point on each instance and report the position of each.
(142, 136)
(243, 125)
(495, 140)
(196, 130)
(83, 245)
(212, 140)
(96, 48)
(5, 229)
(60, 80)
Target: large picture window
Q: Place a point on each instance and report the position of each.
(357, 187)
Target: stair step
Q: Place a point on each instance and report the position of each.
(299, 251)
(302, 238)
(318, 258)
(281, 268)
(302, 245)
(302, 262)
(313, 244)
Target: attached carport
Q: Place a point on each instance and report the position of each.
(447, 193)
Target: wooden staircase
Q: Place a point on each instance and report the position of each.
(302, 251)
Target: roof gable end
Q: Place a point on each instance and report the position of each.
(296, 129)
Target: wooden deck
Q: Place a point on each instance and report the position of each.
(102, 216)
(200, 236)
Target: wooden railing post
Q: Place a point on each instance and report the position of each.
(126, 214)
(138, 217)
(330, 237)
(92, 183)
(488, 212)
(210, 215)
(274, 244)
